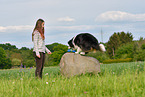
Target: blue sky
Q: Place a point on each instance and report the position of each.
(65, 19)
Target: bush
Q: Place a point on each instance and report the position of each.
(140, 56)
(29, 63)
(16, 62)
(125, 51)
(143, 46)
(99, 56)
(54, 58)
(117, 60)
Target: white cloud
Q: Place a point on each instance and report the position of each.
(24, 28)
(15, 28)
(2, 29)
(66, 19)
(119, 16)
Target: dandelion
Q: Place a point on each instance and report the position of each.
(21, 79)
(21, 70)
(46, 74)
(30, 68)
(46, 82)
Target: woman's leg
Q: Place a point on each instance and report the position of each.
(43, 61)
(39, 64)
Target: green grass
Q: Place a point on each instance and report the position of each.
(114, 80)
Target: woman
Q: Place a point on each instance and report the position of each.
(39, 47)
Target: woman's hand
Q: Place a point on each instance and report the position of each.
(49, 53)
(38, 56)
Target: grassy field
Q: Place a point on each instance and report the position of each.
(115, 80)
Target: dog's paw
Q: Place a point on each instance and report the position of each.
(82, 53)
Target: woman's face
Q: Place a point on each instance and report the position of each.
(43, 25)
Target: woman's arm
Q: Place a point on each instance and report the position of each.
(47, 50)
(36, 36)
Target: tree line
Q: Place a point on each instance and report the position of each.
(119, 46)
(11, 56)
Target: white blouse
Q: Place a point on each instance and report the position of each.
(39, 43)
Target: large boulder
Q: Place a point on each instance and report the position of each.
(74, 64)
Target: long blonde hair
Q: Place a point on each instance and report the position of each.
(39, 27)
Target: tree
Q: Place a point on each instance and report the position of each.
(141, 39)
(126, 51)
(55, 57)
(51, 46)
(24, 48)
(116, 40)
(16, 62)
(5, 62)
(139, 56)
(113, 44)
(27, 58)
(143, 46)
(60, 47)
(8, 46)
(125, 37)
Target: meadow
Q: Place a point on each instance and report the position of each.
(114, 80)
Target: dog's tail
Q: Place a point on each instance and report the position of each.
(102, 47)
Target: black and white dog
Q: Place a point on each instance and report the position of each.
(85, 42)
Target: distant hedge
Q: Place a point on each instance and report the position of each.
(117, 60)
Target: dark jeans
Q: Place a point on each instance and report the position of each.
(39, 64)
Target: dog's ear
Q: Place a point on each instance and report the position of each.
(70, 43)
